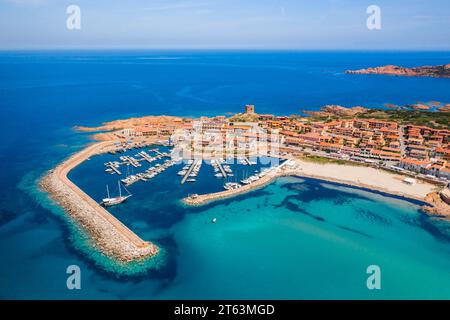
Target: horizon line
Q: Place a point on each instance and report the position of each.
(29, 49)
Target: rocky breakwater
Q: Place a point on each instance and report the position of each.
(198, 200)
(439, 203)
(107, 234)
(271, 175)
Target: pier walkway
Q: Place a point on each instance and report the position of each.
(189, 171)
(110, 234)
(219, 164)
(271, 175)
(113, 168)
(145, 156)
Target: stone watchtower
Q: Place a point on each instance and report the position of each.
(249, 109)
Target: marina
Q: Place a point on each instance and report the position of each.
(221, 177)
(146, 166)
(109, 233)
(189, 171)
(267, 236)
(266, 176)
(134, 161)
(162, 192)
(148, 174)
(163, 204)
(112, 167)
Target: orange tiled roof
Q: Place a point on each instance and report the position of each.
(332, 145)
(385, 153)
(412, 161)
(289, 133)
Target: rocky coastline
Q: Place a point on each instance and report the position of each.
(442, 71)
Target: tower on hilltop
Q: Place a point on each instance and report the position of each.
(249, 109)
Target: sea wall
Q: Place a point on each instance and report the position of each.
(107, 233)
(363, 177)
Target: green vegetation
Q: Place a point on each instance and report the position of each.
(439, 120)
(243, 117)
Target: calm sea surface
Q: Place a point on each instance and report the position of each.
(296, 238)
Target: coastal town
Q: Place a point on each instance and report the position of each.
(333, 135)
(214, 158)
(419, 150)
(337, 144)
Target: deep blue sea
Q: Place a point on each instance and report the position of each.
(296, 238)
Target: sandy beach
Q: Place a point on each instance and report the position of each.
(109, 235)
(114, 239)
(367, 177)
(358, 176)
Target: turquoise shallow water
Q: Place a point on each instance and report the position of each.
(294, 239)
(279, 244)
(297, 238)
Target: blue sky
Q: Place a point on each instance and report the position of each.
(214, 24)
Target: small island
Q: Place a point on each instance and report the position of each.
(442, 71)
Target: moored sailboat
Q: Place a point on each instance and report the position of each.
(108, 201)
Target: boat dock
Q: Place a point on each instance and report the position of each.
(188, 172)
(219, 165)
(145, 156)
(112, 168)
(248, 162)
(233, 189)
(160, 153)
(130, 161)
(135, 161)
(149, 174)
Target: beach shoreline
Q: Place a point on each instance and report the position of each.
(375, 180)
(114, 239)
(108, 234)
